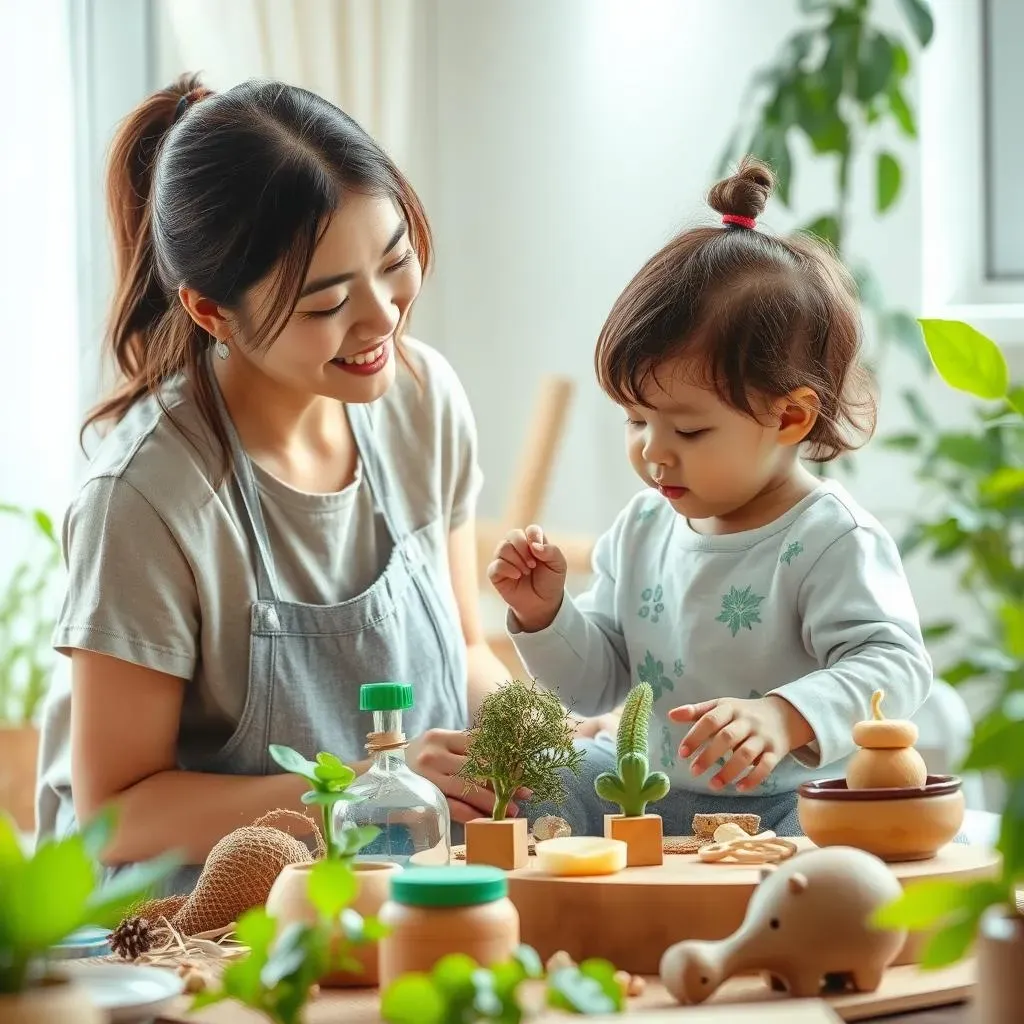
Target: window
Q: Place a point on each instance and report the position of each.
(1002, 43)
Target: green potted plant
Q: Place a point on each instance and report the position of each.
(457, 989)
(279, 974)
(28, 610)
(522, 738)
(290, 901)
(838, 89)
(44, 897)
(633, 785)
(987, 913)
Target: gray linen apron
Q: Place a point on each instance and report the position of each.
(307, 662)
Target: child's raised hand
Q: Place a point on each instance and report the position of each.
(529, 574)
(756, 733)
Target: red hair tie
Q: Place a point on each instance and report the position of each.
(742, 222)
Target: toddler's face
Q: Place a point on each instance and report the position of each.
(707, 458)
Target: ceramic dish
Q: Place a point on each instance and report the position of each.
(83, 943)
(129, 994)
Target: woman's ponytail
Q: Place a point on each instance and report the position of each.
(149, 332)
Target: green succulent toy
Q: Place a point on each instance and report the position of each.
(633, 785)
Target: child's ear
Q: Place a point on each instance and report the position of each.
(797, 413)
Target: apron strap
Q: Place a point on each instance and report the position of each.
(377, 476)
(266, 577)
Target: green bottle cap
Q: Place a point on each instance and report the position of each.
(385, 697)
(448, 887)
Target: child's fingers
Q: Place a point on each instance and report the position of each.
(762, 769)
(518, 543)
(512, 554)
(691, 712)
(500, 571)
(739, 761)
(726, 740)
(707, 726)
(535, 535)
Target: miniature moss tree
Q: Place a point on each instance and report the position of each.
(633, 786)
(522, 738)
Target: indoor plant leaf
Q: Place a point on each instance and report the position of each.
(919, 16)
(292, 761)
(412, 999)
(332, 886)
(966, 359)
(107, 904)
(888, 177)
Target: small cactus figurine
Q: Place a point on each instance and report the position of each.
(633, 785)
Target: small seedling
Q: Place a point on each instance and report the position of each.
(329, 779)
(633, 785)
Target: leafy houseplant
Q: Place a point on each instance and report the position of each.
(56, 890)
(459, 991)
(279, 973)
(522, 738)
(329, 779)
(28, 609)
(982, 519)
(633, 785)
(27, 616)
(839, 82)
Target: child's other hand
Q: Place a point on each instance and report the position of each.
(529, 573)
(757, 734)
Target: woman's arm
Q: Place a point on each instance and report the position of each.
(485, 669)
(124, 728)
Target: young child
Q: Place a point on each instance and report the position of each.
(762, 604)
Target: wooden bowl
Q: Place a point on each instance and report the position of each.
(908, 823)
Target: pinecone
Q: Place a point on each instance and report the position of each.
(131, 938)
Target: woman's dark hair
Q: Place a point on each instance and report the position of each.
(218, 191)
(759, 314)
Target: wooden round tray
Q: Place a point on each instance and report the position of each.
(632, 917)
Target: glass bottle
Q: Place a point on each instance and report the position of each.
(410, 811)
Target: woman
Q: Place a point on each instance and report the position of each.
(284, 507)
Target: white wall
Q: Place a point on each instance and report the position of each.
(38, 273)
(572, 140)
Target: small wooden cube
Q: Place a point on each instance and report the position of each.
(502, 844)
(642, 836)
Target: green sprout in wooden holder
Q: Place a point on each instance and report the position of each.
(633, 786)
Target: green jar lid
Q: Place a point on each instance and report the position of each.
(448, 887)
(385, 697)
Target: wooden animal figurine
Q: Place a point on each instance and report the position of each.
(887, 758)
(807, 919)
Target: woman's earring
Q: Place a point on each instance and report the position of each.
(221, 349)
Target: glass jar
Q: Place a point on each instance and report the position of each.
(410, 811)
(432, 912)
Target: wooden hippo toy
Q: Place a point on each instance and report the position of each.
(807, 919)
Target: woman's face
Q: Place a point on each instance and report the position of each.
(363, 278)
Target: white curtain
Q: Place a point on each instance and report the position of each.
(359, 54)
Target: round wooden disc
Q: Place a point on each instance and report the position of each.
(632, 917)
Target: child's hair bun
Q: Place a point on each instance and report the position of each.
(745, 193)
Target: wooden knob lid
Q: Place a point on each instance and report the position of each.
(880, 733)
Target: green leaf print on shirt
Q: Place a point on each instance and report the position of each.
(791, 552)
(653, 672)
(652, 606)
(646, 513)
(678, 668)
(740, 609)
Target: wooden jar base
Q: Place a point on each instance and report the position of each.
(642, 836)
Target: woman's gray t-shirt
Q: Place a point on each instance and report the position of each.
(158, 557)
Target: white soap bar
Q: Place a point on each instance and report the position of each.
(581, 855)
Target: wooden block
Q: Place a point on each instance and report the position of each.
(642, 836)
(502, 844)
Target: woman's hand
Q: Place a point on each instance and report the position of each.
(438, 755)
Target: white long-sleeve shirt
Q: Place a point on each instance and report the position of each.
(814, 606)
